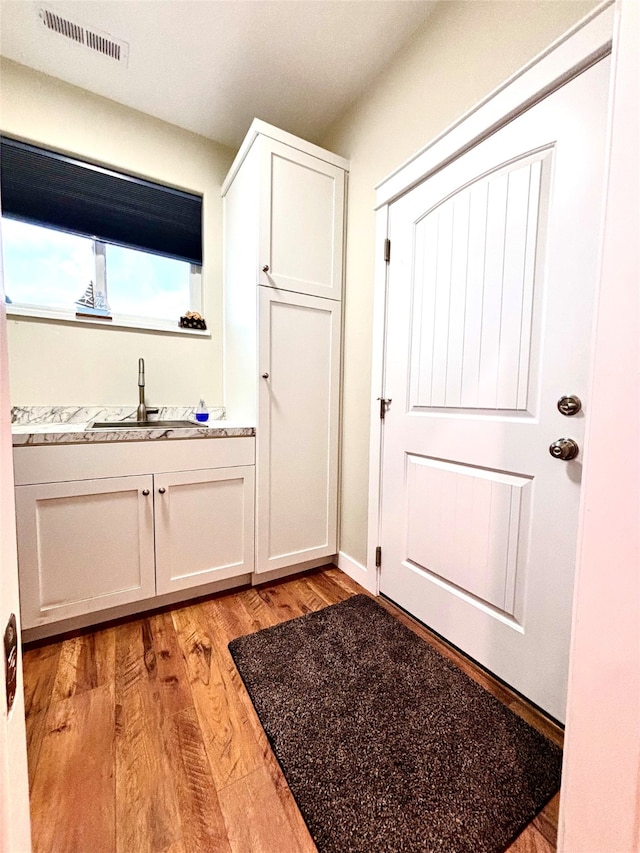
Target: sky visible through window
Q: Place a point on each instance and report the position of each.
(49, 268)
(146, 285)
(45, 267)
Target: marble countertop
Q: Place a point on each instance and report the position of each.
(60, 425)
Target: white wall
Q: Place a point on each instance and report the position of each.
(64, 364)
(463, 51)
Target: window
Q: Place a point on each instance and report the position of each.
(148, 285)
(47, 270)
(45, 267)
(81, 240)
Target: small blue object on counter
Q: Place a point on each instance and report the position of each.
(202, 413)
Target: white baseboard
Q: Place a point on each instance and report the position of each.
(357, 572)
(93, 620)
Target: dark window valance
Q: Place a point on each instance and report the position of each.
(47, 188)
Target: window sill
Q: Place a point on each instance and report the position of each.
(118, 321)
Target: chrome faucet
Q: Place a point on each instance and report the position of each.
(142, 409)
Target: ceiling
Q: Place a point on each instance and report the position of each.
(211, 66)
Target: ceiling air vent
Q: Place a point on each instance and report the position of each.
(87, 36)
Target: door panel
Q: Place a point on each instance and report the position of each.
(490, 305)
(471, 341)
(464, 525)
(83, 546)
(297, 439)
(302, 221)
(204, 526)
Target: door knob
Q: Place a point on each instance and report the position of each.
(564, 448)
(569, 405)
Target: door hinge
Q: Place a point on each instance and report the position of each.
(384, 403)
(387, 250)
(378, 557)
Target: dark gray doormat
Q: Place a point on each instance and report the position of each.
(387, 746)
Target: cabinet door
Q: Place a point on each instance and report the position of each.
(83, 546)
(301, 222)
(297, 436)
(204, 526)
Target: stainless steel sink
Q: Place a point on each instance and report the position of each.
(116, 425)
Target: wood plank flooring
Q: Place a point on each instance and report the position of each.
(141, 737)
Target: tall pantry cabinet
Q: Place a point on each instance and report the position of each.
(284, 202)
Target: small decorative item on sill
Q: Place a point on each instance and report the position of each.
(93, 304)
(192, 320)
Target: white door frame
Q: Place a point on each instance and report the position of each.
(15, 827)
(586, 43)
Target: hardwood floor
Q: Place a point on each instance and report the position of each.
(141, 737)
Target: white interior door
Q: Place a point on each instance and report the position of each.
(490, 306)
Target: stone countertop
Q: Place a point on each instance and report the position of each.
(34, 434)
(63, 426)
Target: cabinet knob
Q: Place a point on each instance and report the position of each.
(265, 375)
(145, 492)
(265, 268)
(161, 490)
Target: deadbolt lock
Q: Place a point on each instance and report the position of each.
(569, 405)
(564, 448)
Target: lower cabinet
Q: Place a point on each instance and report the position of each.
(85, 545)
(203, 526)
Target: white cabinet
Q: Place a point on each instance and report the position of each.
(84, 546)
(301, 221)
(283, 268)
(203, 526)
(297, 444)
(91, 538)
